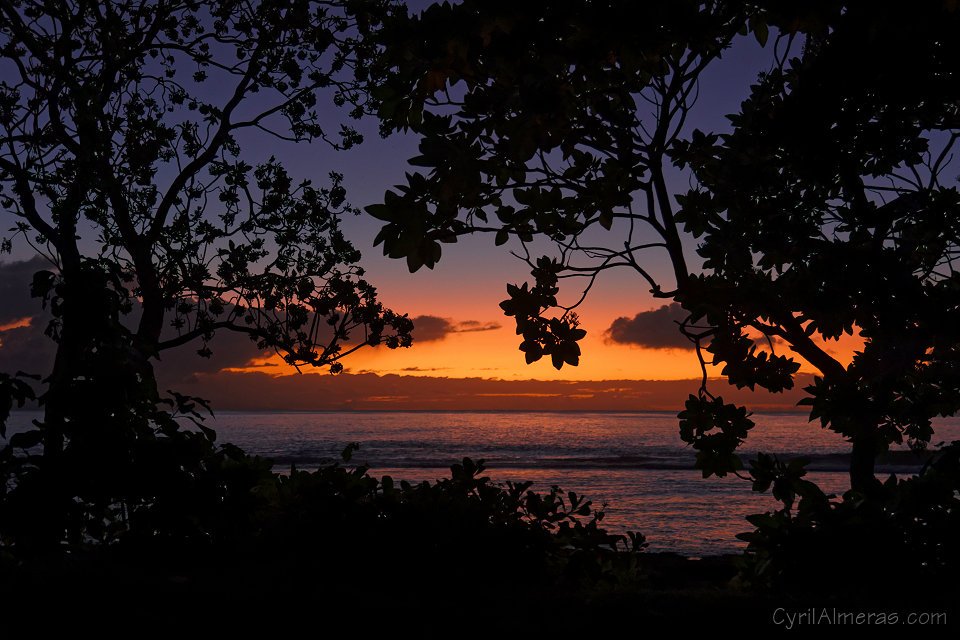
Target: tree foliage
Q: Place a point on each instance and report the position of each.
(906, 530)
(832, 208)
(530, 126)
(828, 209)
(122, 129)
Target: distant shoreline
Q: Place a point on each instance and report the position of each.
(218, 410)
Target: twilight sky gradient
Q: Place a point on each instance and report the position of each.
(464, 344)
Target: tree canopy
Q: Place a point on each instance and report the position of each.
(832, 208)
(122, 134)
(828, 209)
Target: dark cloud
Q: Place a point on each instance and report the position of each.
(655, 329)
(431, 328)
(15, 278)
(27, 348)
(475, 325)
(230, 350)
(312, 391)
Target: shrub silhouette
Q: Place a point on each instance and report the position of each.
(227, 513)
(907, 531)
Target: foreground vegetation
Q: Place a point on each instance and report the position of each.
(343, 549)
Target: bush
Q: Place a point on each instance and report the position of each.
(464, 527)
(188, 505)
(906, 530)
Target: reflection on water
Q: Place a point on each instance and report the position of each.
(677, 510)
(635, 462)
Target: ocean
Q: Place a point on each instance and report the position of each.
(634, 463)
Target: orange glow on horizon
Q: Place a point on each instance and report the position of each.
(494, 354)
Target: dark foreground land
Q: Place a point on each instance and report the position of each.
(338, 552)
(668, 592)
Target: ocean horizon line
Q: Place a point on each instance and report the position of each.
(215, 410)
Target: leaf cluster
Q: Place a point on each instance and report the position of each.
(715, 430)
(556, 337)
(904, 533)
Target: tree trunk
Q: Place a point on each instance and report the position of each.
(97, 406)
(79, 307)
(863, 457)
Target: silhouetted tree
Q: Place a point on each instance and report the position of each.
(120, 161)
(832, 208)
(822, 213)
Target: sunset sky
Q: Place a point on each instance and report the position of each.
(462, 338)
